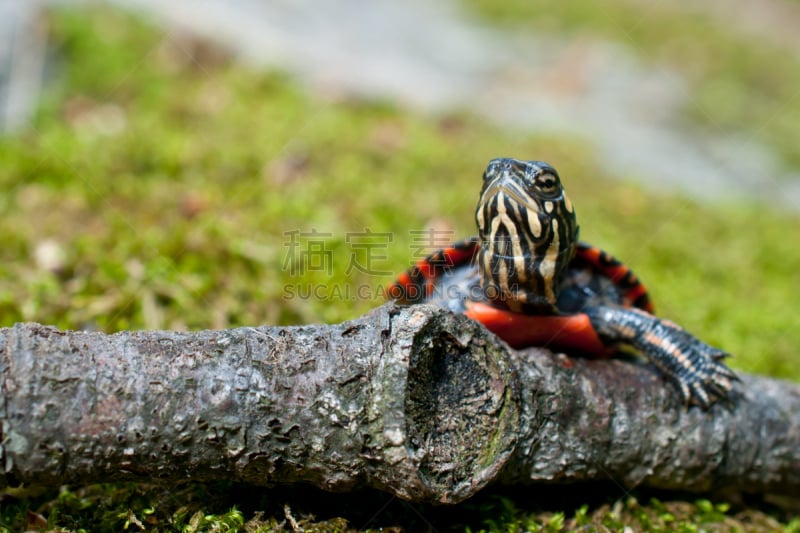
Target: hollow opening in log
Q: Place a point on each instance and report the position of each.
(459, 406)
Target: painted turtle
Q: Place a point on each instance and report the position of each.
(529, 280)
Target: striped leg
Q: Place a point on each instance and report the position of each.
(697, 368)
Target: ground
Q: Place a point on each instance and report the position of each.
(163, 185)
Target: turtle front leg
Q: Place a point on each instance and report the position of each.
(697, 368)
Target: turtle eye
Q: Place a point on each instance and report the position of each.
(547, 184)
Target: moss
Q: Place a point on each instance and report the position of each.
(161, 184)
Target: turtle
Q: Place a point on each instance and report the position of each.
(528, 278)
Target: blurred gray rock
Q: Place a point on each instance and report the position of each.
(23, 40)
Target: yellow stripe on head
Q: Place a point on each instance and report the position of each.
(528, 232)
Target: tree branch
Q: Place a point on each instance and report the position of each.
(416, 401)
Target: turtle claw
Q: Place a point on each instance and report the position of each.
(699, 371)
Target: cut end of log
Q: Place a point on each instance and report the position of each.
(461, 403)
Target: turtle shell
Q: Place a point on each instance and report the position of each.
(450, 278)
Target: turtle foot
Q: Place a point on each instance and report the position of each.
(698, 370)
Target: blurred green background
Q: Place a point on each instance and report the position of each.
(161, 180)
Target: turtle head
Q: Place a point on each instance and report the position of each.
(528, 231)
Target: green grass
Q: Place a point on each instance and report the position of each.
(159, 186)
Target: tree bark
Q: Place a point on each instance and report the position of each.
(416, 401)
(393, 400)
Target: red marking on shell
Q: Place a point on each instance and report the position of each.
(598, 259)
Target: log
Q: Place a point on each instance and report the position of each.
(392, 400)
(416, 401)
(619, 420)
